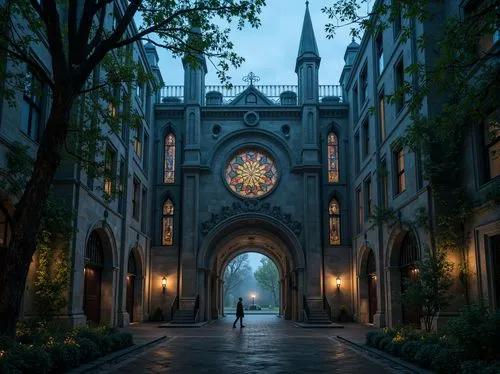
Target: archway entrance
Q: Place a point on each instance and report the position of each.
(255, 278)
(371, 276)
(251, 233)
(131, 280)
(94, 263)
(409, 255)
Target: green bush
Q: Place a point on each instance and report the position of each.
(383, 344)
(64, 356)
(119, 340)
(88, 349)
(377, 338)
(6, 342)
(446, 361)
(476, 332)
(426, 354)
(26, 359)
(410, 349)
(395, 347)
(372, 336)
(479, 367)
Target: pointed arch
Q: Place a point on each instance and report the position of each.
(169, 158)
(334, 221)
(333, 157)
(167, 232)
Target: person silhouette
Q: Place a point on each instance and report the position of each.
(239, 313)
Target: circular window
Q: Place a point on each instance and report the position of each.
(216, 130)
(251, 119)
(251, 173)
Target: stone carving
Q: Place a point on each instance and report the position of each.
(250, 206)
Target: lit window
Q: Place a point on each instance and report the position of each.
(109, 169)
(138, 140)
(334, 220)
(333, 158)
(169, 161)
(399, 160)
(168, 222)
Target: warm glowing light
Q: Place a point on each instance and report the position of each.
(338, 283)
(164, 282)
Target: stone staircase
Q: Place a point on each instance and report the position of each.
(183, 317)
(318, 317)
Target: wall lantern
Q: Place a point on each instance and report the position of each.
(164, 284)
(338, 284)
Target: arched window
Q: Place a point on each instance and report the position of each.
(169, 162)
(5, 227)
(334, 220)
(94, 252)
(168, 223)
(333, 158)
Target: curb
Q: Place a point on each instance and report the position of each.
(318, 325)
(407, 365)
(113, 356)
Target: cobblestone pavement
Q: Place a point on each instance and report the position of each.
(267, 345)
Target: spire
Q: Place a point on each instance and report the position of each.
(307, 38)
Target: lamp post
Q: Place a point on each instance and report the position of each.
(164, 284)
(253, 299)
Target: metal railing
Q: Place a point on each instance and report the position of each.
(273, 92)
(174, 307)
(196, 308)
(327, 307)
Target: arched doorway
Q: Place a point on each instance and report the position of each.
(94, 264)
(495, 251)
(131, 280)
(256, 279)
(371, 276)
(408, 267)
(252, 233)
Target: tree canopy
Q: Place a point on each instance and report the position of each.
(80, 38)
(268, 278)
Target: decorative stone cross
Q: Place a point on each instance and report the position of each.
(250, 78)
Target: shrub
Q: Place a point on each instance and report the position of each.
(383, 344)
(26, 359)
(479, 367)
(395, 347)
(476, 332)
(377, 338)
(119, 340)
(88, 349)
(64, 356)
(370, 337)
(409, 350)
(425, 355)
(6, 342)
(446, 361)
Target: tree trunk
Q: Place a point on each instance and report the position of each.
(15, 261)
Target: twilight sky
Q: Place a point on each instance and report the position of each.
(271, 50)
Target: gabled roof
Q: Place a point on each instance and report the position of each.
(243, 98)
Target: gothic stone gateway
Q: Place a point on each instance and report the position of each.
(251, 179)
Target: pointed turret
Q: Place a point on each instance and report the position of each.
(307, 44)
(307, 64)
(349, 56)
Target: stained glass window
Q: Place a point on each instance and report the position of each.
(251, 173)
(334, 220)
(168, 223)
(169, 162)
(333, 158)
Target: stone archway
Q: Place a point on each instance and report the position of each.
(368, 285)
(99, 278)
(399, 266)
(261, 234)
(134, 294)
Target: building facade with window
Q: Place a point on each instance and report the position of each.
(295, 172)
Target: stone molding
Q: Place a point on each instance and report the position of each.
(250, 206)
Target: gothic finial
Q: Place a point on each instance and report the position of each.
(250, 78)
(307, 4)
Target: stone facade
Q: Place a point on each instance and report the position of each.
(183, 220)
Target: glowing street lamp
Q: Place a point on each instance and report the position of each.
(253, 299)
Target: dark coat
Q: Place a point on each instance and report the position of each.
(239, 310)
